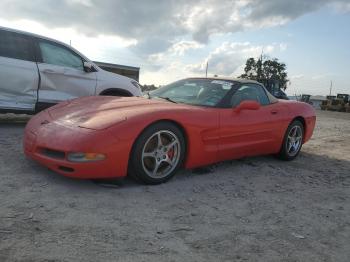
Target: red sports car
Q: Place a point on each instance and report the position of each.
(191, 123)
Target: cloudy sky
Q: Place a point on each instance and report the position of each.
(173, 39)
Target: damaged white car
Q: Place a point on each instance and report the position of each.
(37, 72)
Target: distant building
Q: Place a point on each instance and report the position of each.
(317, 100)
(128, 71)
(295, 97)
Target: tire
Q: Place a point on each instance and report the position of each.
(157, 154)
(292, 141)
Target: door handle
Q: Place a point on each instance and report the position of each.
(50, 71)
(274, 112)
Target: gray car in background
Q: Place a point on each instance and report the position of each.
(37, 72)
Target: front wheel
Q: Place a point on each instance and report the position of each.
(293, 141)
(157, 154)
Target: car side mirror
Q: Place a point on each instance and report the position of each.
(88, 67)
(247, 105)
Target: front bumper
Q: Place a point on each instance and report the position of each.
(49, 143)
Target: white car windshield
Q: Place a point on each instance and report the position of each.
(201, 92)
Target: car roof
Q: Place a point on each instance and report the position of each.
(239, 80)
(44, 38)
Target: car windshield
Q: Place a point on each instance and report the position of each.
(201, 92)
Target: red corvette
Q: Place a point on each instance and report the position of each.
(191, 123)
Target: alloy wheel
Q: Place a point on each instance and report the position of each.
(294, 140)
(161, 154)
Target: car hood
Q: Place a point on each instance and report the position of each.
(101, 112)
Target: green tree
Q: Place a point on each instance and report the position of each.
(146, 88)
(268, 72)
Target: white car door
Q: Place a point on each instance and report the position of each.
(62, 74)
(19, 78)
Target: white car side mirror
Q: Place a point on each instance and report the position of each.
(88, 67)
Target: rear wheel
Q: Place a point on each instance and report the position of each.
(293, 141)
(157, 154)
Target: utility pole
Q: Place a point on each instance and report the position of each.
(330, 89)
(206, 70)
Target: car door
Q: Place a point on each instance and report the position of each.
(19, 78)
(62, 74)
(250, 132)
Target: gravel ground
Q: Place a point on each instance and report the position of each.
(254, 209)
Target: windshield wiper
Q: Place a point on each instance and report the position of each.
(168, 99)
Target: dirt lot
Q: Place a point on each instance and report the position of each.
(255, 209)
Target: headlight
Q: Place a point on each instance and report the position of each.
(136, 84)
(85, 157)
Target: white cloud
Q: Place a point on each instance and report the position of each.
(342, 7)
(229, 58)
(87, 3)
(156, 24)
(283, 46)
(180, 48)
(296, 77)
(226, 60)
(321, 76)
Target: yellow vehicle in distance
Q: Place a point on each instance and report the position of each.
(339, 103)
(327, 103)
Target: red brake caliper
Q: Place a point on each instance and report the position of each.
(171, 153)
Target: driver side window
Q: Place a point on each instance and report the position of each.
(250, 92)
(56, 55)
